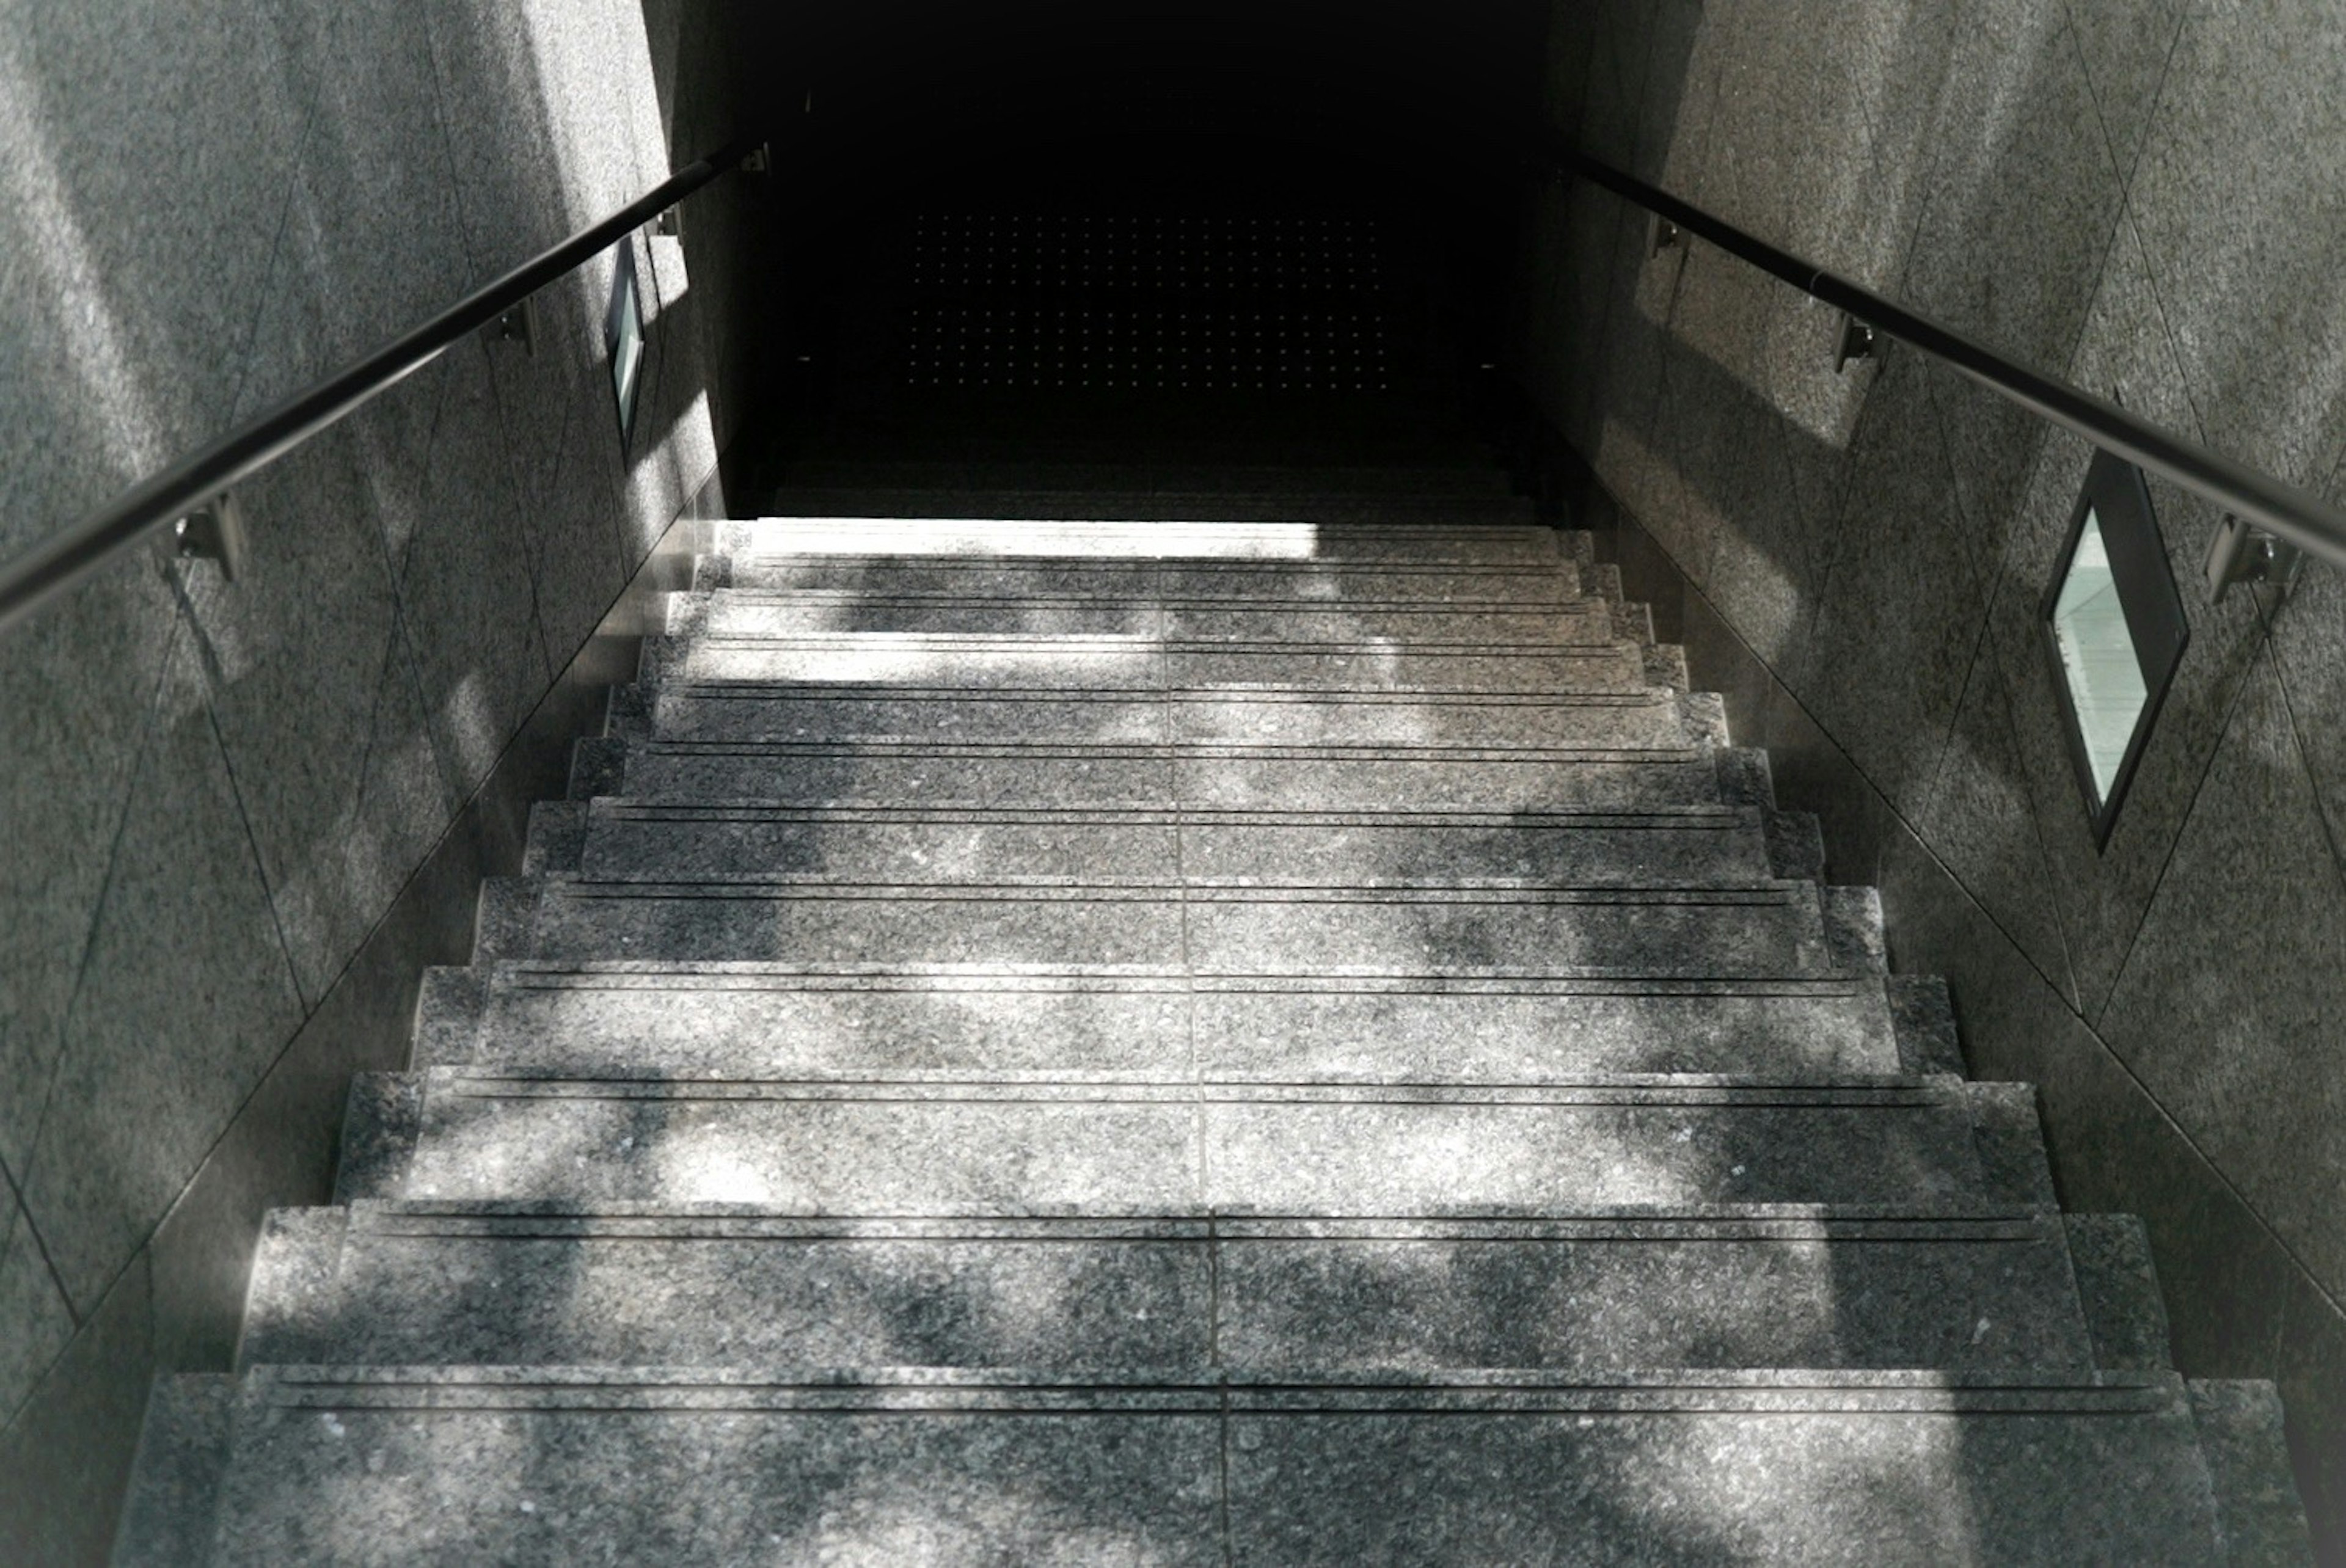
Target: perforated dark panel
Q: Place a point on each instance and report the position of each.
(1151, 303)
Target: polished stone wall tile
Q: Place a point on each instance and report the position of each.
(467, 597)
(2103, 893)
(64, 1456)
(1898, 616)
(35, 1320)
(2119, 193)
(2227, 1006)
(1820, 149)
(1979, 819)
(2021, 169)
(574, 521)
(2311, 1375)
(315, 692)
(1752, 477)
(185, 998)
(129, 333)
(1637, 354)
(1675, 97)
(1617, 50)
(182, 874)
(2114, 1148)
(2308, 624)
(2126, 47)
(370, 243)
(498, 110)
(2242, 244)
(80, 683)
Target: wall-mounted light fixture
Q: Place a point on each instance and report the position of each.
(623, 338)
(2113, 632)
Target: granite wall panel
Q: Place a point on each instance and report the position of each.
(242, 816)
(2137, 197)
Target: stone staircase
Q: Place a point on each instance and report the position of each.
(1160, 1042)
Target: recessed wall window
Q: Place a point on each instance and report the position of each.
(2115, 633)
(623, 337)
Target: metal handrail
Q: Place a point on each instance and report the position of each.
(2291, 513)
(193, 483)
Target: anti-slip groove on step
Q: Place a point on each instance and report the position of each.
(1143, 716)
(1124, 1148)
(531, 1284)
(1221, 773)
(1172, 627)
(1183, 1467)
(756, 1019)
(1323, 584)
(1221, 928)
(1101, 666)
(1286, 1041)
(866, 842)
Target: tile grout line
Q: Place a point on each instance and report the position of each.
(1867, 779)
(252, 847)
(293, 180)
(97, 914)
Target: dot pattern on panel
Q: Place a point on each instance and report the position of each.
(1148, 303)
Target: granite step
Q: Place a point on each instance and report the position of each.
(1106, 1145)
(752, 1021)
(1197, 582)
(876, 842)
(739, 710)
(1040, 472)
(1322, 512)
(557, 1465)
(532, 1283)
(1096, 666)
(1669, 770)
(1172, 624)
(1502, 925)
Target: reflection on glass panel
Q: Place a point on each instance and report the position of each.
(2097, 657)
(627, 355)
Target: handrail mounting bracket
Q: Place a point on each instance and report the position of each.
(214, 531)
(2243, 552)
(1857, 342)
(517, 324)
(1661, 234)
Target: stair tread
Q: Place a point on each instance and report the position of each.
(1183, 1466)
(1103, 1143)
(719, 1284)
(1061, 1022)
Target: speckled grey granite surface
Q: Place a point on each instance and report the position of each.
(532, 1283)
(1011, 1146)
(569, 1465)
(1161, 618)
(1331, 777)
(2119, 1287)
(1286, 536)
(764, 1020)
(1138, 662)
(2257, 1506)
(1356, 1027)
(897, 843)
(172, 1508)
(1192, 582)
(1764, 929)
(1255, 712)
